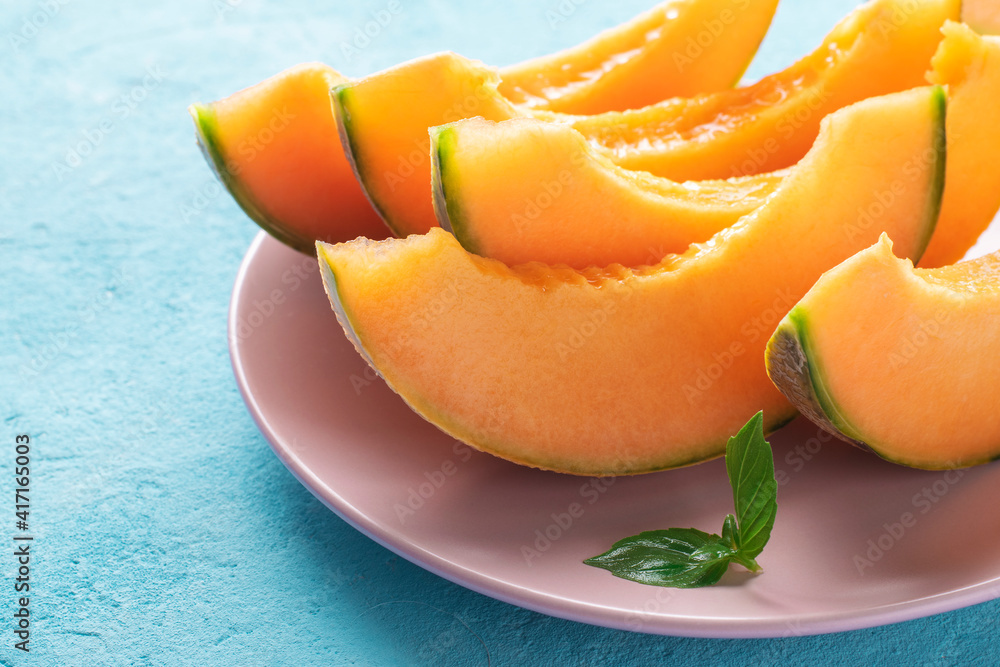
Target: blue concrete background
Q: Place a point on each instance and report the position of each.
(167, 533)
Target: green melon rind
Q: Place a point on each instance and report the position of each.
(445, 186)
(332, 285)
(790, 359)
(939, 98)
(798, 373)
(206, 130)
(340, 99)
(795, 371)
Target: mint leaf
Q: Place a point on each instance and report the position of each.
(691, 558)
(679, 557)
(750, 465)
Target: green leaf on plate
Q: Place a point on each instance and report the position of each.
(750, 464)
(679, 557)
(691, 558)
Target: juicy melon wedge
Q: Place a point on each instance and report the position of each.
(297, 185)
(881, 47)
(384, 120)
(621, 371)
(678, 48)
(898, 360)
(275, 148)
(970, 66)
(525, 190)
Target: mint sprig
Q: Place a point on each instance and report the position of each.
(750, 466)
(691, 558)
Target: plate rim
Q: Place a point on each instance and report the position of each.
(675, 625)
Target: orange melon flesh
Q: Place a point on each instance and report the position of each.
(983, 16)
(900, 360)
(881, 47)
(526, 190)
(620, 371)
(970, 66)
(384, 120)
(678, 48)
(275, 147)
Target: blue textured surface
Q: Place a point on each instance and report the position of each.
(167, 531)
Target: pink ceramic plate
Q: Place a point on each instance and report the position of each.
(858, 542)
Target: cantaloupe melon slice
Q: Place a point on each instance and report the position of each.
(970, 66)
(384, 120)
(617, 371)
(900, 360)
(881, 47)
(526, 190)
(275, 145)
(678, 48)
